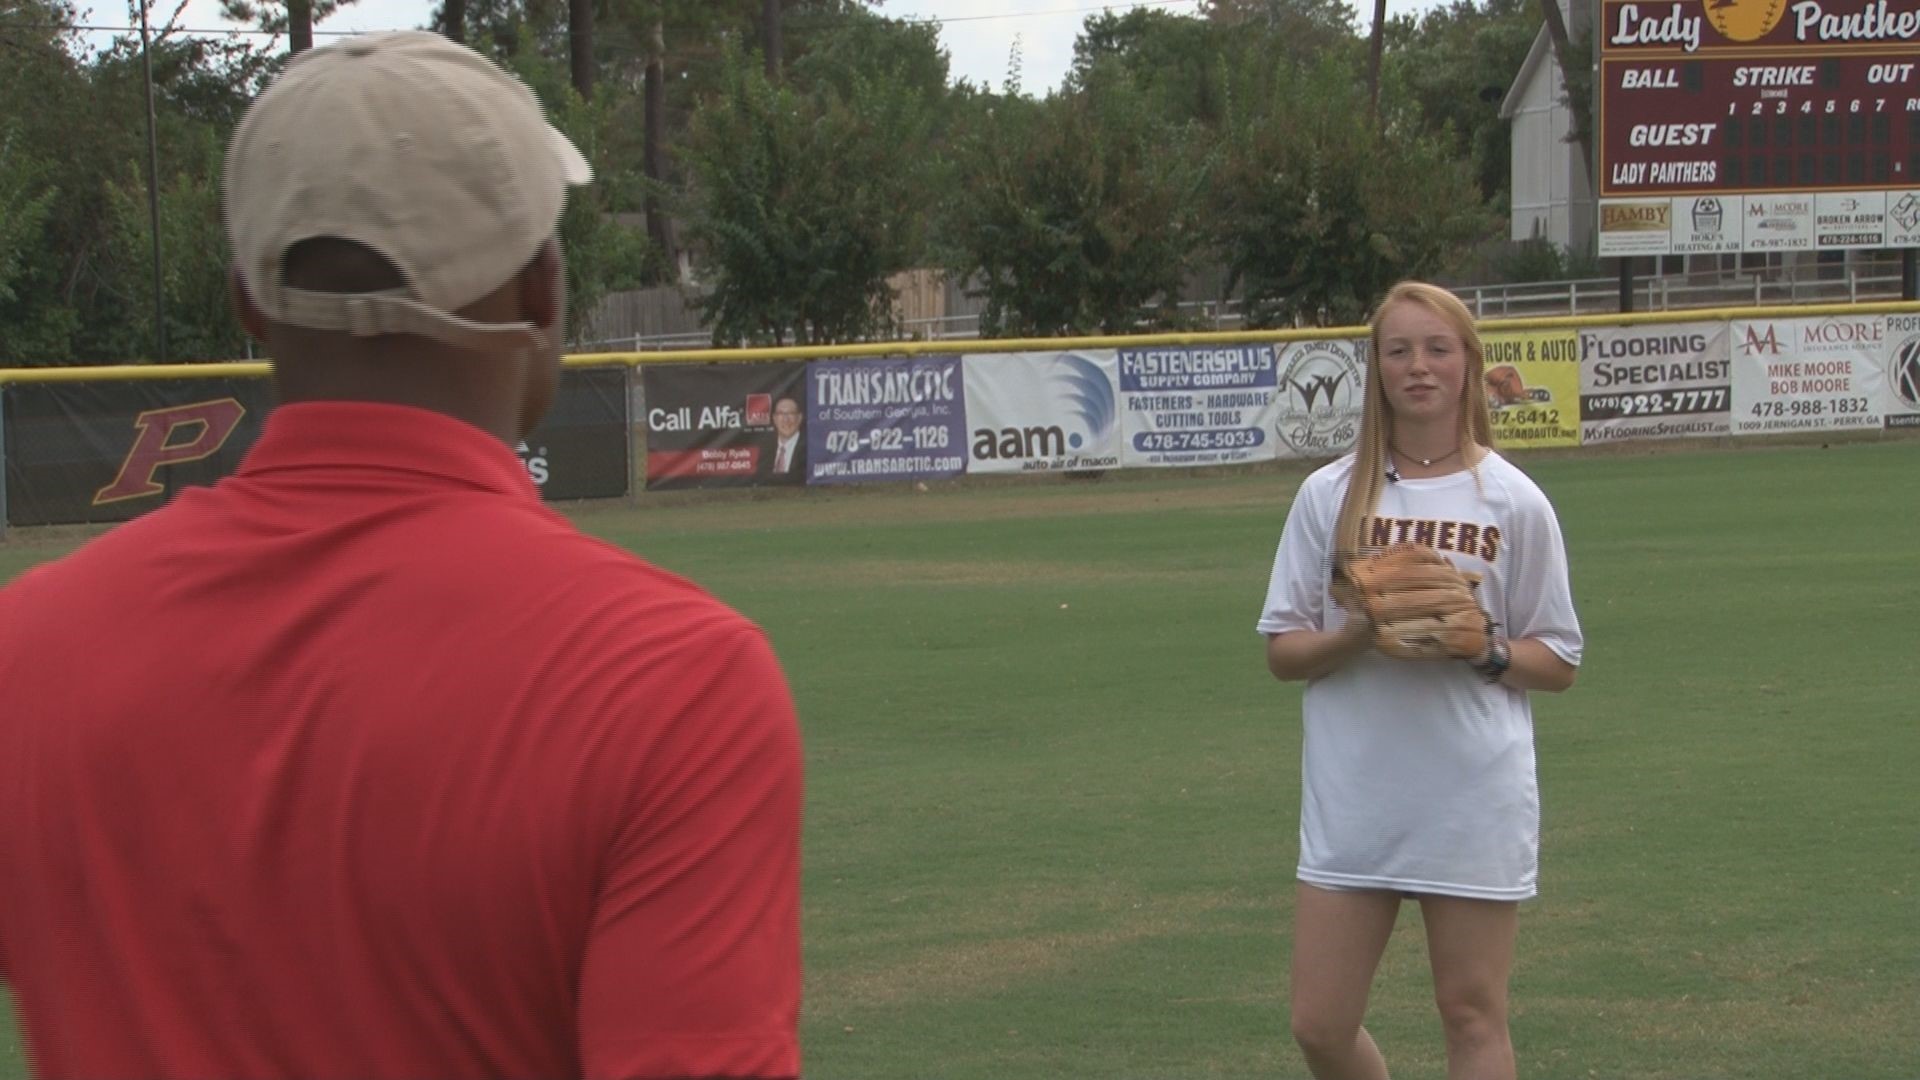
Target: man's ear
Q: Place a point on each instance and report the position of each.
(543, 288)
(251, 320)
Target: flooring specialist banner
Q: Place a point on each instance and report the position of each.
(1655, 382)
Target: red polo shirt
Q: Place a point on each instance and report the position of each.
(363, 763)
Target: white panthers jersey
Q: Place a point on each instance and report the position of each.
(1418, 775)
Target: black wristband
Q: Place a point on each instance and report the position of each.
(1499, 658)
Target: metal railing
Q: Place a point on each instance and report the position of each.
(1790, 283)
(1200, 314)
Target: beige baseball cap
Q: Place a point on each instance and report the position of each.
(416, 147)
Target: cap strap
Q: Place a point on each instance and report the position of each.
(394, 312)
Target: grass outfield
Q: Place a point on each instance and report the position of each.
(1053, 792)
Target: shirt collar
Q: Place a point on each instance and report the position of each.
(368, 435)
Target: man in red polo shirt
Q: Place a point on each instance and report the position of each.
(362, 763)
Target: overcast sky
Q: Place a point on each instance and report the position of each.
(978, 34)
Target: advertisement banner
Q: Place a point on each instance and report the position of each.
(1808, 374)
(1850, 219)
(1903, 219)
(885, 419)
(725, 425)
(93, 452)
(1902, 367)
(1655, 382)
(1199, 405)
(1533, 387)
(1323, 385)
(1707, 224)
(1040, 412)
(1636, 226)
(1779, 223)
(580, 450)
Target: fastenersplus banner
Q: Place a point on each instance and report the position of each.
(885, 419)
(1199, 405)
(1041, 412)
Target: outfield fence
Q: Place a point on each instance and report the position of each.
(105, 444)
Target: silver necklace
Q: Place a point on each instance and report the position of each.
(1425, 462)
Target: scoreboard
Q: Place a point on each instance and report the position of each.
(1758, 125)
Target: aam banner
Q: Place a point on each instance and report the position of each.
(725, 425)
(1655, 382)
(110, 451)
(1040, 412)
(1199, 405)
(580, 451)
(886, 419)
(1809, 374)
(1533, 387)
(1322, 387)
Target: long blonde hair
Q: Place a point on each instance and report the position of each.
(1376, 418)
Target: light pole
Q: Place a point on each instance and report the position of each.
(153, 192)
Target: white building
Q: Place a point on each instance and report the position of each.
(1552, 187)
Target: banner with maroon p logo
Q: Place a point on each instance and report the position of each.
(110, 451)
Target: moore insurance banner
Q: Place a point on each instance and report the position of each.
(1199, 405)
(725, 425)
(1809, 374)
(111, 451)
(1040, 412)
(886, 419)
